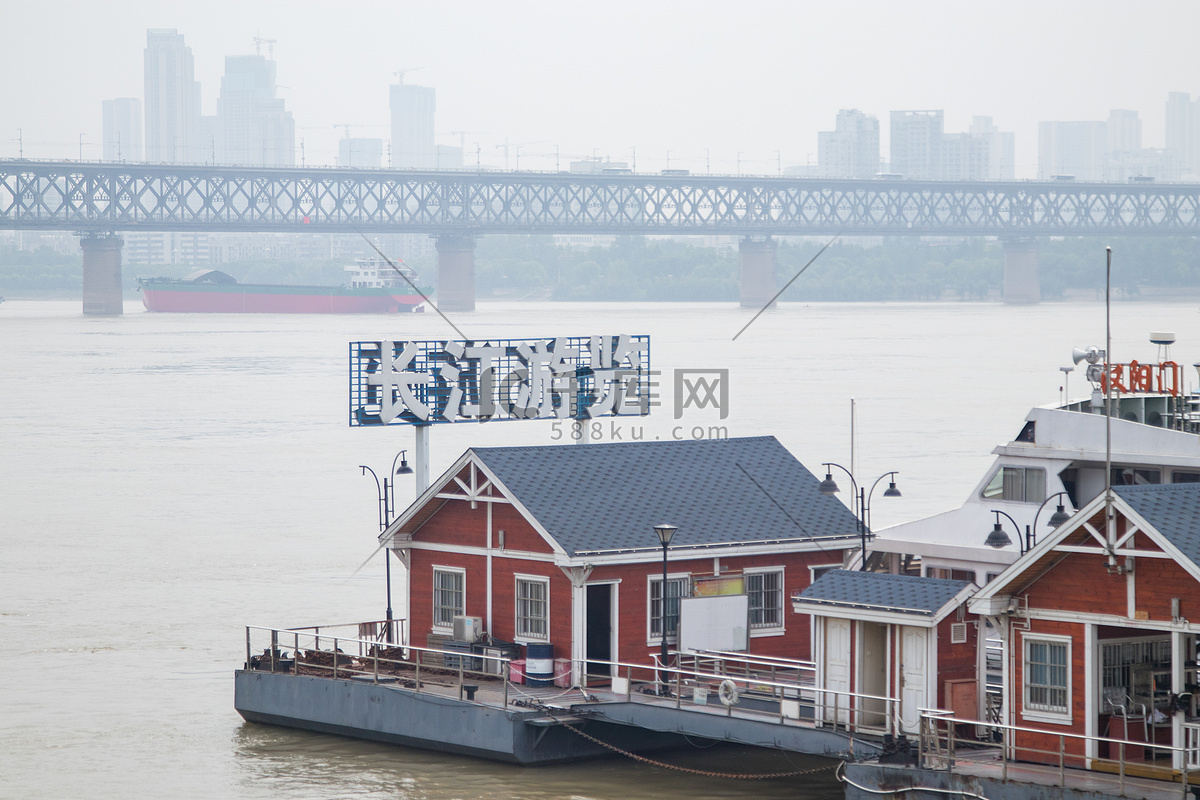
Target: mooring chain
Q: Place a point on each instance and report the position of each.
(706, 773)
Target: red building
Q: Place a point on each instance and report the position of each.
(556, 545)
(1097, 631)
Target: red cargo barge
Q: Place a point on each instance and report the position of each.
(372, 291)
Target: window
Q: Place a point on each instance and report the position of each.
(1021, 484)
(1132, 476)
(1185, 477)
(533, 608)
(676, 588)
(1047, 679)
(765, 590)
(448, 594)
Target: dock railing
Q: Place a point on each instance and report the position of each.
(781, 690)
(1070, 754)
(318, 650)
(790, 696)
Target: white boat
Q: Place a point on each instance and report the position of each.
(1054, 464)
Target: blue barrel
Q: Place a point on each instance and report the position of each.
(539, 664)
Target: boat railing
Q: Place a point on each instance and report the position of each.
(317, 651)
(789, 701)
(946, 742)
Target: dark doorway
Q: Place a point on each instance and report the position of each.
(599, 628)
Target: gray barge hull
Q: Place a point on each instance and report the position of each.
(388, 713)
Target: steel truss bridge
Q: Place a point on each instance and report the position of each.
(102, 197)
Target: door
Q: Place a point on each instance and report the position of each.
(837, 669)
(599, 631)
(914, 676)
(873, 674)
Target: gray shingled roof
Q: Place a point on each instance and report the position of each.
(603, 497)
(1173, 509)
(885, 592)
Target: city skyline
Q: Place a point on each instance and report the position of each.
(674, 81)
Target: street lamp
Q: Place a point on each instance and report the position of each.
(665, 534)
(998, 538)
(386, 497)
(861, 504)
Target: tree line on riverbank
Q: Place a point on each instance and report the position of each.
(636, 268)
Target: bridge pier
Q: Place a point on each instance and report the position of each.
(1021, 284)
(456, 273)
(757, 282)
(102, 274)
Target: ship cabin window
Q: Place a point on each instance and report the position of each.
(676, 587)
(1185, 477)
(449, 586)
(1132, 476)
(1019, 484)
(1047, 678)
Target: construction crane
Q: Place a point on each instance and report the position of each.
(270, 43)
(400, 73)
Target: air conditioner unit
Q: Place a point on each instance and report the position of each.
(468, 629)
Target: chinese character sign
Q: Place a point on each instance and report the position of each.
(574, 377)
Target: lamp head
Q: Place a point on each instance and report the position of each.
(665, 534)
(404, 468)
(892, 491)
(1059, 517)
(998, 537)
(829, 485)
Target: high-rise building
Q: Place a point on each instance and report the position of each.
(172, 98)
(1078, 149)
(916, 144)
(412, 110)
(1124, 131)
(1001, 149)
(851, 150)
(356, 152)
(254, 126)
(123, 129)
(1183, 134)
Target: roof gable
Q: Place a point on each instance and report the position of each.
(1172, 509)
(1167, 515)
(608, 497)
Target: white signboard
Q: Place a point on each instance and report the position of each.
(721, 622)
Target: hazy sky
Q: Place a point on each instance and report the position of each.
(748, 77)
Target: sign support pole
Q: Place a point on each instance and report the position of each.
(421, 468)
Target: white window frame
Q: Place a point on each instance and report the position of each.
(651, 637)
(518, 635)
(813, 570)
(777, 629)
(462, 573)
(1040, 713)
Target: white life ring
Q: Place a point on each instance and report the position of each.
(728, 693)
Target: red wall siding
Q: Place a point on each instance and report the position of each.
(1080, 582)
(1029, 743)
(955, 661)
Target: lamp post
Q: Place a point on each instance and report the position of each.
(386, 497)
(861, 504)
(998, 538)
(665, 534)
